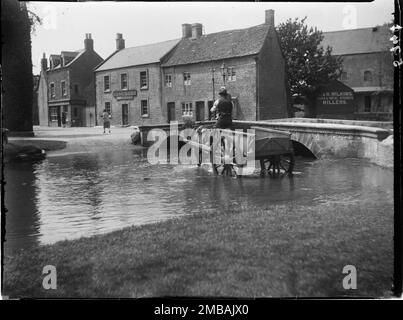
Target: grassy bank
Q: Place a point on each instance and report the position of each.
(272, 252)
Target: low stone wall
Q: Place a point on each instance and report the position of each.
(324, 140)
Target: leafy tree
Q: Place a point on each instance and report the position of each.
(17, 86)
(309, 65)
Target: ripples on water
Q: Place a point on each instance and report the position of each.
(67, 196)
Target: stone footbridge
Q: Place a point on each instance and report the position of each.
(323, 138)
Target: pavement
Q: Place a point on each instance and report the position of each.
(78, 138)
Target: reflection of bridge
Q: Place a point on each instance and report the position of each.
(324, 138)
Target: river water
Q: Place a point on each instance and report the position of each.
(70, 195)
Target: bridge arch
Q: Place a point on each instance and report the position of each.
(306, 145)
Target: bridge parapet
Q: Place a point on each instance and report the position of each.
(322, 139)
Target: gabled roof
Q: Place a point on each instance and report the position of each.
(220, 45)
(355, 41)
(140, 55)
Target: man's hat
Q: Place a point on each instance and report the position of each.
(223, 91)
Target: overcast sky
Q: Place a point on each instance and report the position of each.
(65, 24)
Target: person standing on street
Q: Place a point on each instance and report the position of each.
(106, 116)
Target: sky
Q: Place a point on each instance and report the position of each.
(64, 24)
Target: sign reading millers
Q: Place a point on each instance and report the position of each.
(125, 94)
(335, 97)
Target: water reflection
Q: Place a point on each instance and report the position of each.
(74, 195)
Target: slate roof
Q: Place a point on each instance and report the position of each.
(140, 55)
(220, 45)
(358, 40)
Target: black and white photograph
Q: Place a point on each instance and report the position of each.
(200, 150)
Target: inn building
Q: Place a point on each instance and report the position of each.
(161, 82)
(66, 88)
(129, 83)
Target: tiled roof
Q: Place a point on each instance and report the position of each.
(220, 45)
(140, 55)
(358, 40)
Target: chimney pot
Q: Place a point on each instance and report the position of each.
(270, 17)
(197, 30)
(186, 30)
(120, 42)
(88, 42)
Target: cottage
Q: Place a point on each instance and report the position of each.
(66, 92)
(249, 62)
(367, 69)
(128, 83)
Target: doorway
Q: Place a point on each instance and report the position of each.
(125, 114)
(171, 111)
(200, 111)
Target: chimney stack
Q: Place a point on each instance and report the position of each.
(88, 42)
(197, 30)
(270, 17)
(186, 30)
(120, 42)
(44, 62)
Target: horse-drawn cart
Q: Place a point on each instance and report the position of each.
(229, 150)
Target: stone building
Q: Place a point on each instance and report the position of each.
(128, 83)
(367, 69)
(247, 61)
(66, 87)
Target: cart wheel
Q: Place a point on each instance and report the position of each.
(286, 162)
(277, 165)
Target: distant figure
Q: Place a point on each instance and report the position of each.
(223, 109)
(106, 116)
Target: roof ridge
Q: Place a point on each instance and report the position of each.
(346, 30)
(240, 29)
(151, 44)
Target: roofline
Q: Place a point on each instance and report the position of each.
(210, 60)
(349, 30)
(130, 66)
(353, 54)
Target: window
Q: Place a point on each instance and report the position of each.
(168, 80)
(343, 76)
(52, 90)
(108, 107)
(231, 74)
(107, 83)
(367, 75)
(75, 112)
(187, 109)
(144, 108)
(76, 88)
(54, 114)
(64, 92)
(367, 104)
(186, 79)
(143, 80)
(123, 81)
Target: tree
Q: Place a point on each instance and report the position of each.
(17, 84)
(308, 64)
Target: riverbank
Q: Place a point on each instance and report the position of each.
(278, 251)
